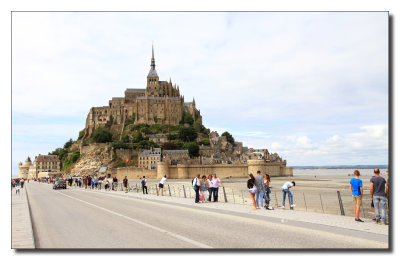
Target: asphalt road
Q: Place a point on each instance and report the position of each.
(74, 218)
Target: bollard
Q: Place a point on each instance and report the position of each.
(169, 190)
(157, 190)
(223, 188)
(305, 203)
(321, 203)
(276, 200)
(184, 192)
(233, 197)
(340, 203)
(137, 189)
(242, 197)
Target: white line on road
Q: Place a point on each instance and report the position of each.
(193, 242)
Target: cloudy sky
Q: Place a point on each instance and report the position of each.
(311, 86)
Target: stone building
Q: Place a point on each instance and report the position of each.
(24, 168)
(160, 102)
(158, 138)
(148, 158)
(42, 163)
(48, 163)
(174, 157)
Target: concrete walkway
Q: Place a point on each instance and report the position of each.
(336, 223)
(21, 225)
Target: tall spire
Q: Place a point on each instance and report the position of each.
(153, 61)
(152, 72)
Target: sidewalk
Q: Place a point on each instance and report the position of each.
(21, 225)
(340, 224)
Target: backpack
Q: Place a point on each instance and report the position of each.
(143, 182)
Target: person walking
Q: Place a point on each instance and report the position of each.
(378, 196)
(285, 190)
(357, 193)
(125, 182)
(144, 184)
(251, 185)
(161, 185)
(196, 187)
(96, 182)
(203, 188)
(267, 181)
(17, 187)
(115, 183)
(210, 187)
(259, 181)
(215, 182)
(22, 183)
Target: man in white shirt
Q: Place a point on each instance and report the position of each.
(161, 185)
(196, 186)
(285, 190)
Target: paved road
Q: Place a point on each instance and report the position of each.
(75, 218)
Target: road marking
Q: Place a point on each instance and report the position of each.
(190, 241)
(237, 218)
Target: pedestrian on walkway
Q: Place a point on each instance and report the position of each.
(196, 186)
(89, 181)
(96, 182)
(107, 185)
(17, 187)
(22, 183)
(203, 188)
(144, 184)
(161, 185)
(267, 181)
(285, 190)
(259, 181)
(125, 182)
(100, 182)
(251, 185)
(115, 183)
(215, 182)
(210, 187)
(357, 193)
(378, 196)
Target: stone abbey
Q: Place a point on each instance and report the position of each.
(160, 102)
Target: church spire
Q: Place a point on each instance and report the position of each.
(153, 61)
(152, 72)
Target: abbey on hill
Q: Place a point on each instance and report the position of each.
(159, 103)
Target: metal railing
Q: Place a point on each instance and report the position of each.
(329, 202)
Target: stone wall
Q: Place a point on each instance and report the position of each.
(132, 173)
(184, 171)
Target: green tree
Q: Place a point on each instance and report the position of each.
(146, 144)
(188, 119)
(81, 134)
(178, 144)
(118, 145)
(172, 137)
(205, 141)
(193, 149)
(229, 137)
(137, 137)
(187, 134)
(102, 135)
(68, 144)
(169, 146)
(125, 138)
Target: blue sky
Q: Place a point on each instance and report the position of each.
(311, 86)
